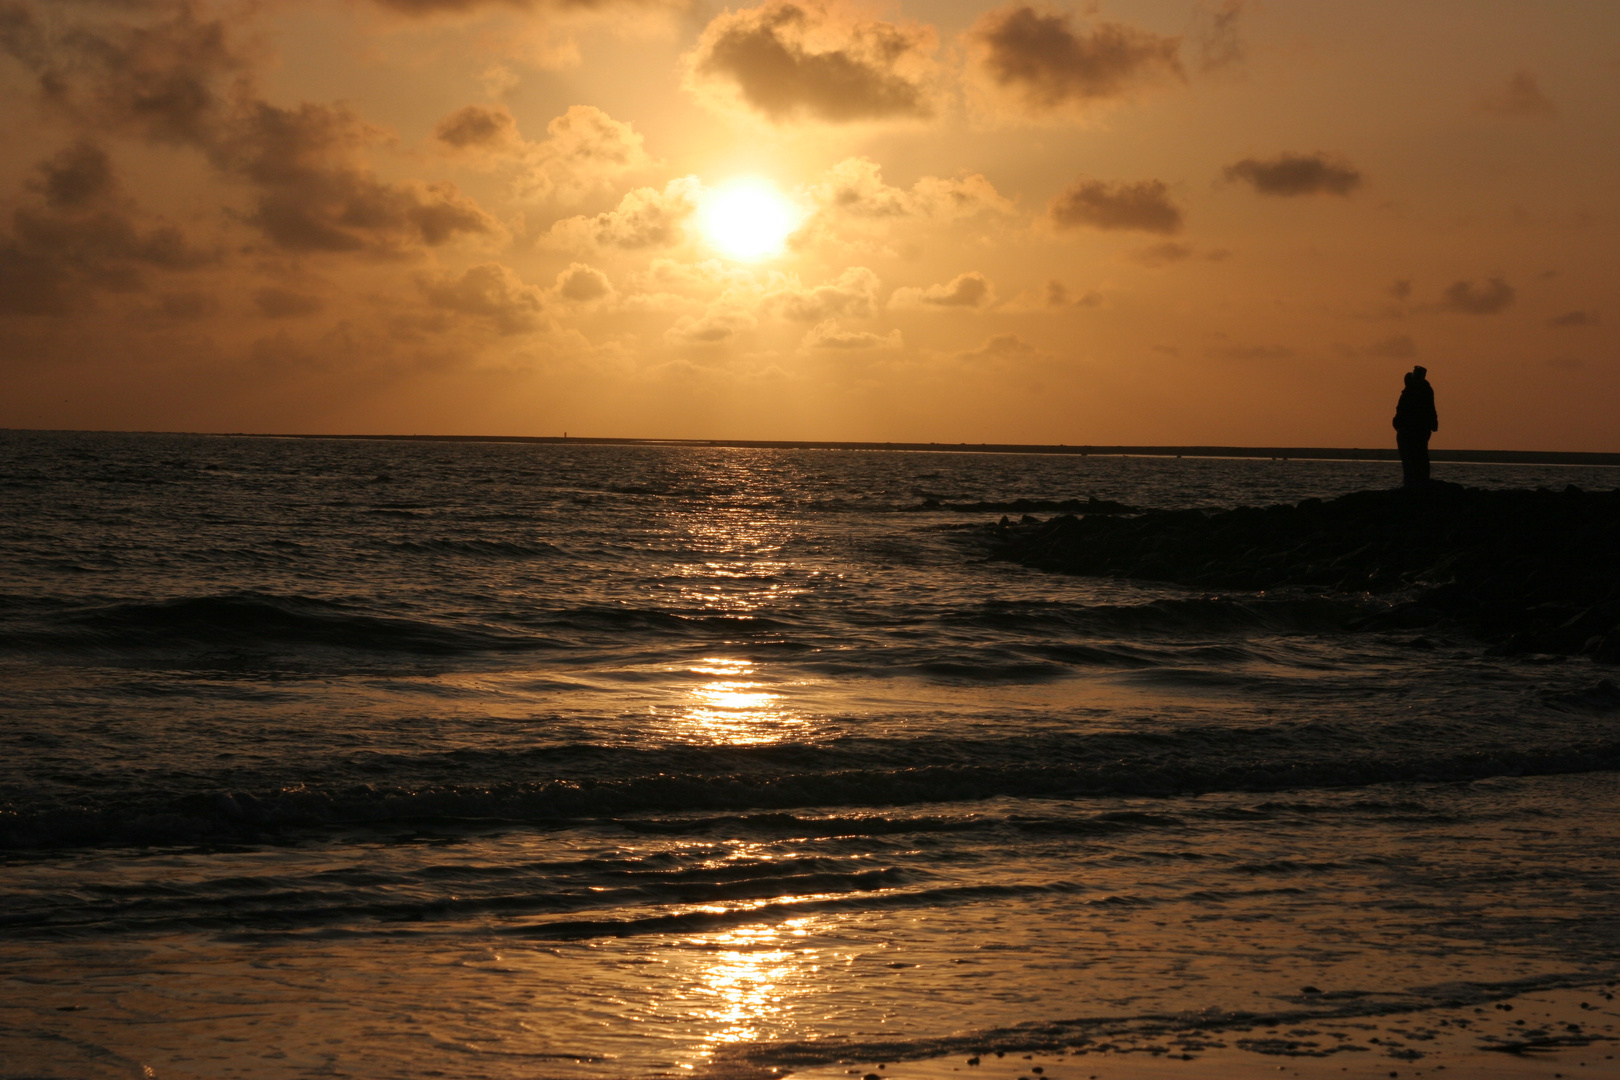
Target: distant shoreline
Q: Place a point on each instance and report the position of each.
(1280, 453)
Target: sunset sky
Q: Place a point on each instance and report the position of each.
(1144, 221)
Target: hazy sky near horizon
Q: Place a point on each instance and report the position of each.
(1141, 221)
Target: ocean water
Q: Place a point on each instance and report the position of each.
(382, 759)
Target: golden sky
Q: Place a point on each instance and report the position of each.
(1144, 221)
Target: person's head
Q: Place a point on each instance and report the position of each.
(1420, 371)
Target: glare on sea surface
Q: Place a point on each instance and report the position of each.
(747, 218)
(732, 707)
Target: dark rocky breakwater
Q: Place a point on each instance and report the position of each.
(1526, 571)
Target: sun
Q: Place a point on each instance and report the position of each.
(747, 218)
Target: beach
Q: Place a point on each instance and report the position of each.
(514, 760)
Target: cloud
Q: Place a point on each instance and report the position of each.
(1574, 318)
(1164, 254)
(482, 127)
(277, 303)
(723, 321)
(1220, 43)
(645, 218)
(1144, 205)
(314, 195)
(1521, 97)
(1043, 62)
(165, 80)
(1398, 347)
(853, 293)
(1001, 347)
(811, 60)
(828, 335)
(582, 284)
(1467, 298)
(157, 80)
(971, 291)
(584, 148)
(1250, 352)
(855, 187)
(1297, 174)
(1401, 289)
(87, 237)
(491, 294)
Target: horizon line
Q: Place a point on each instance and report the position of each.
(1279, 453)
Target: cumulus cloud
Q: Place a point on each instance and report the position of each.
(855, 187)
(1144, 205)
(1466, 298)
(584, 148)
(1044, 62)
(481, 127)
(158, 80)
(852, 293)
(645, 218)
(164, 73)
(1520, 97)
(1297, 174)
(1002, 347)
(788, 60)
(723, 321)
(582, 284)
(83, 237)
(970, 291)
(828, 335)
(491, 294)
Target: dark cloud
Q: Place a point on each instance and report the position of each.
(971, 291)
(167, 74)
(275, 303)
(852, 293)
(1574, 318)
(477, 126)
(159, 80)
(313, 195)
(1401, 289)
(77, 176)
(491, 294)
(1144, 205)
(1047, 63)
(85, 238)
(1467, 298)
(1220, 43)
(1164, 254)
(1521, 97)
(1297, 174)
(791, 60)
(582, 284)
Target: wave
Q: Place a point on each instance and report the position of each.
(248, 620)
(689, 799)
(475, 548)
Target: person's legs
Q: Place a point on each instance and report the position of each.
(1420, 457)
(1406, 442)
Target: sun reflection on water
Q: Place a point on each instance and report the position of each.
(733, 707)
(742, 989)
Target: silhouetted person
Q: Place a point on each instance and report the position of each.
(1415, 418)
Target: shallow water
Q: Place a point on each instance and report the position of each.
(514, 760)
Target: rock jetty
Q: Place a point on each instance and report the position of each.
(1527, 571)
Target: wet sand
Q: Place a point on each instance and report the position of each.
(1553, 1034)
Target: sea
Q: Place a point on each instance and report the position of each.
(361, 758)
